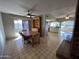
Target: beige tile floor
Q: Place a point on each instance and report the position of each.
(16, 49)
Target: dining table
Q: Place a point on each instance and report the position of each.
(32, 36)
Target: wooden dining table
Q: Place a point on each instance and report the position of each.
(33, 36)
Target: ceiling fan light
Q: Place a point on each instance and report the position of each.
(66, 17)
(28, 16)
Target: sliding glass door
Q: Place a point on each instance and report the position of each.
(18, 25)
(21, 25)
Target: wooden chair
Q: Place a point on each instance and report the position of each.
(35, 39)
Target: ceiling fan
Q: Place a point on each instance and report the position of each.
(68, 16)
(29, 14)
(30, 11)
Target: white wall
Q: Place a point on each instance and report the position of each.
(8, 25)
(2, 34)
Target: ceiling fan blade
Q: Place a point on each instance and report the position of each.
(33, 15)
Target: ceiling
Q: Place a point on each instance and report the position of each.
(56, 8)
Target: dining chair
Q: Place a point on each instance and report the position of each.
(35, 39)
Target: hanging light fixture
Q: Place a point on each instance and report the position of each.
(67, 17)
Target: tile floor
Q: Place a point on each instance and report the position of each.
(16, 49)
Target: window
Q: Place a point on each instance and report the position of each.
(67, 30)
(18, 25)
(25, 25)
(67, 24)
(55, 24)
